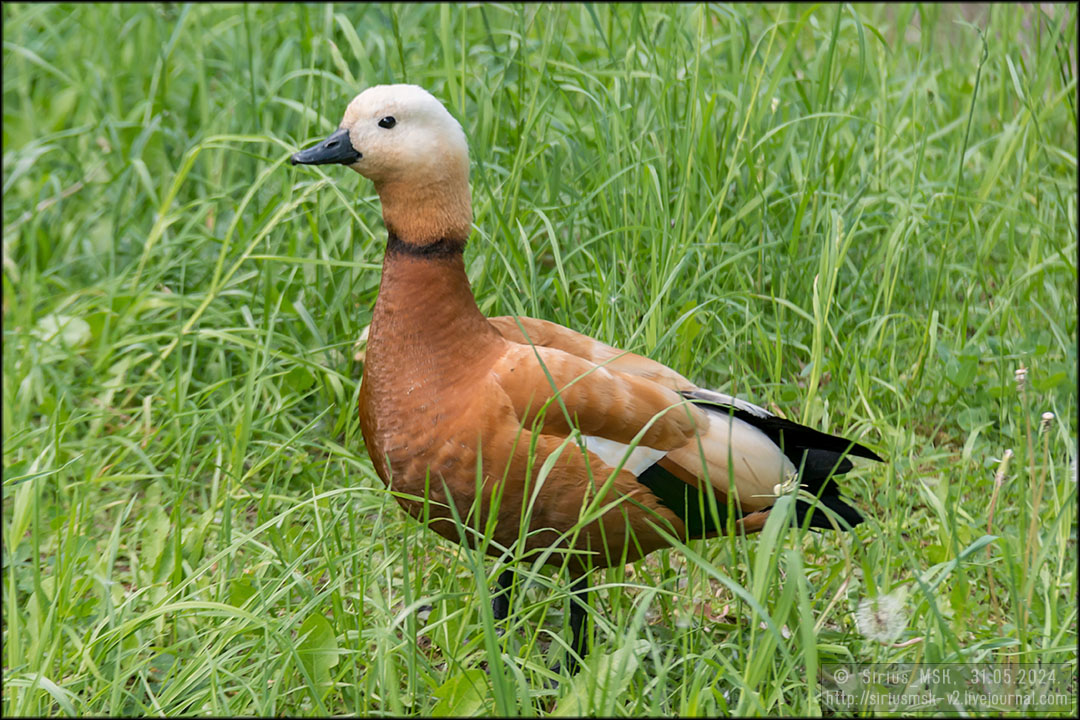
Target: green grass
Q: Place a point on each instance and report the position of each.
(863, 217)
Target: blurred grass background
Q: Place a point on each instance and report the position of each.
(863, 217)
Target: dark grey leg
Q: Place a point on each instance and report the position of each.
(579, 603)
(500, 601)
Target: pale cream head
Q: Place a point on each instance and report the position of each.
(416, 154)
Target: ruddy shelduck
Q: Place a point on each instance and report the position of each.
(559, 424)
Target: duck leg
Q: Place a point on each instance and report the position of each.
(500, 601)
(579, 603)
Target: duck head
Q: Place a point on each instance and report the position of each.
(401, 138)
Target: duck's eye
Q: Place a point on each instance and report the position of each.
(387, 122)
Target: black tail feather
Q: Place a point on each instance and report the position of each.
(823, 450)
(818, 455)
(816, 466)
(791, 436)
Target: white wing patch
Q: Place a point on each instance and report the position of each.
(612, 453)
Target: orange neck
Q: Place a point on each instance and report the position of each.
(426, 325)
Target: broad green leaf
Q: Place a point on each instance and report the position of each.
(318, 648)
(462, 695)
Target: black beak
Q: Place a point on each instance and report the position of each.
(335, 149)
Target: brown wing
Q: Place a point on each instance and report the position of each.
(548, 334)
(600, 401)
(623, 392)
